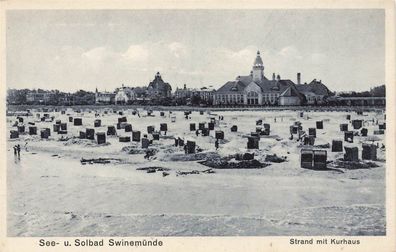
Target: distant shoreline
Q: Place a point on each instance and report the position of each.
(13, 108)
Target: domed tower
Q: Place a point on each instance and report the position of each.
(258, 68)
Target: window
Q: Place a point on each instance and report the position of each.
(252, 94)
(252, 98)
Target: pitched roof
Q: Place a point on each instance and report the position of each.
(315, 87)
(265, 85)
(232, 86)
(245, 79)
(288, 85)
(159, 84)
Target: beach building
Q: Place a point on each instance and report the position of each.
(39, 96)
(104, 97)
(257, 89)
(124, 95)
(315, 92)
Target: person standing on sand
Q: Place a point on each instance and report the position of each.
(217, 144)
(15, 150)
(26, 146)
(18, 150)
(197, 132)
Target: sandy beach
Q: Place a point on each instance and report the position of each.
(51, 193)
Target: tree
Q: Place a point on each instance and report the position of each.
(378, 91)
(17, 96)
(195, 100)
(82, 97)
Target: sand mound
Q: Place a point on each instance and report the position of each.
(233, 164)
(133, 150)
(191, 157)
(152, 169)
(275, 159)
(83, 142)
(352, 164)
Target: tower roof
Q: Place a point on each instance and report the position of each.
(159, 84)
(258, 61)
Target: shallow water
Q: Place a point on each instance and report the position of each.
(52, 196)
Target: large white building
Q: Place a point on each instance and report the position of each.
(124, 95)
(257, 89)
(104, 97)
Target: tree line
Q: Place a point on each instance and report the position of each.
(52, 97)
(378, 91)
(82, 97)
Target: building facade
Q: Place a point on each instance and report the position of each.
(159, 88)
(124, 95)
(256, 89)
(315, 92)
(359, 101)
(39, 97)
(184, 92)
(206, 94)
(104, 97)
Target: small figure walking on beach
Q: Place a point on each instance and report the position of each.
(197, 132)
(15, 150)
(217, 144)
(185, 149)
(18, 147)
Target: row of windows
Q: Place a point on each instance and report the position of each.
(313, 98)
(239, 97)
(230, 98)
(271, 95)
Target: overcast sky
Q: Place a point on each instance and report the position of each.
(71, 50)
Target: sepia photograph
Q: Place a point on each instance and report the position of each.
(196, 123)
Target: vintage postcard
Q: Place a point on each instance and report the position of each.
(198, 126)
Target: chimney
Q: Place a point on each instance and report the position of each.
(185, 86)
(320, 81)
(278, 77)
(273, 76)
(298, 78)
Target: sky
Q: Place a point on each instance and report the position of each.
(70, 50)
